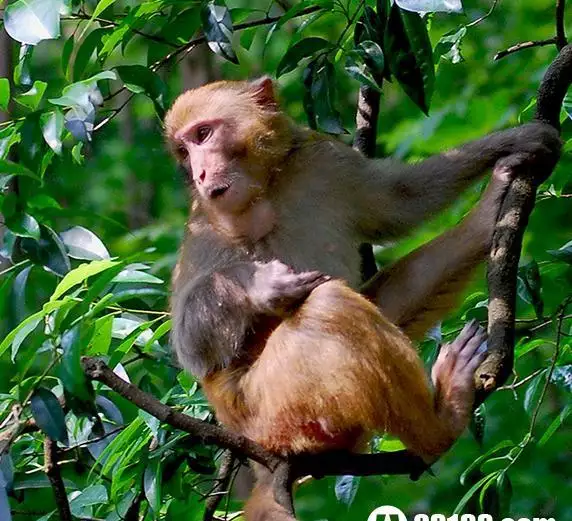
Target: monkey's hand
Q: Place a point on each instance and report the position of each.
(534, 146)
(276, 290)
(453, 376)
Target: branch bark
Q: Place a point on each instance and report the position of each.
(364, 141)
(54, 475)
(507, 240)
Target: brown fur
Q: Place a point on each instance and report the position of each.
(289, 358)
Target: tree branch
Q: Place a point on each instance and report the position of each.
(364, 141)
(523, 45)
(561, 40)
(221, 488)
(507, 240)
(54, 475)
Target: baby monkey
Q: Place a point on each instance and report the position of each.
(266, 309)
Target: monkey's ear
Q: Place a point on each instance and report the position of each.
(262, 91)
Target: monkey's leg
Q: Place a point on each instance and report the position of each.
(422, 287)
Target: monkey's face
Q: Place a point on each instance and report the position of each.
(223, 135)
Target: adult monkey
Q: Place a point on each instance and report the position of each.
(288, 354)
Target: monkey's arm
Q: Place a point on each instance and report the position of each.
(396, 197)
(221, 297)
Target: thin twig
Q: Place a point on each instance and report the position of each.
(524, 45)
(111, 23)
(485, 16)
(54, 475)
(219, 491)
(518, 383)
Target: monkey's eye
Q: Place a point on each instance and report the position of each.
(182, 152)
(203, 133)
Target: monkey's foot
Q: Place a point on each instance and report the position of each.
(453, 374)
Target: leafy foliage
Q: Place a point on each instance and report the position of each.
(93, 214)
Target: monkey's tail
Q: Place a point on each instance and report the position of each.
(262, 506)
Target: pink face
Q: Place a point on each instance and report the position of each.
(208, 151)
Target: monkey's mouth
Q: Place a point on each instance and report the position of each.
(218, 191)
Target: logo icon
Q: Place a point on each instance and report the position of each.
(387, 513)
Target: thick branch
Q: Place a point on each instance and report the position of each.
(364, 142)
(54, 475)
(334, 463)
(561, 40)
(507, 241)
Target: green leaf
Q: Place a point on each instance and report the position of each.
(217, 27)
(8, 167)
(89, 496)
(66, 55)
(472, 491)
(555, 425)
(31, 21)
(132, 276)
(32, 97)
(142, 80)
(323, 95)
(431, 6)
(4, 93)
(152, 484)
(77, 153)
(448, 47)
(504, 490)
(101, 336)
(300, 50)
(505, 444)
(83, 93)
(530, 286)
(18, 332)
(101, 6)
(82, 243)
(47, 251)
(346, 489)
(357, 69)
(52, 129)
(22, 74)
(86, 50)
(22, 225)
(49, 415)
(78, 275)
(564, 253)
(562, 377)
(71, 373)
(410, 57)
(534, 391)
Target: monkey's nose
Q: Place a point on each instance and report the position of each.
(202, 177)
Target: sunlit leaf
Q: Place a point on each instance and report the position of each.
(217, 27)
(4, 93)
(79, 274)
(31, 21)
(32, 97)
(152, 484)
(82, 243)
(52, 129)
(431, 6)
(449, 46)
(346, 488)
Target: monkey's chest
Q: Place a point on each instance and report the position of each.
(324, 249)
